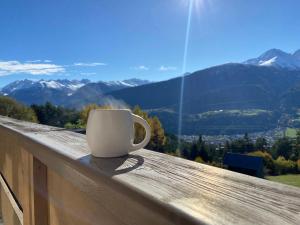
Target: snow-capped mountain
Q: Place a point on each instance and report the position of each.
(127, 83)
(277, 58)
(93, 92)
(74, 93)
(66, 85)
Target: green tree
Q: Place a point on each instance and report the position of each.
(185, 150)
(282, 147)
(171, 145)
(296, 147)
(242, 145)
(11, 108)
(52, 115)
(194, 151)
(202, 149)
(261, 144)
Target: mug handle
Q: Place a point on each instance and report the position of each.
(140, 120)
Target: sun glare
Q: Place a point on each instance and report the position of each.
(198, 5)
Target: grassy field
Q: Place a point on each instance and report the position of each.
(291, 132)
(290, 179)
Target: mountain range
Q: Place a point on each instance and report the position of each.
(70, 93)
(256, 95)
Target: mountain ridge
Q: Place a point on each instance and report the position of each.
(277, 58)
(223, 99)
(61, 91)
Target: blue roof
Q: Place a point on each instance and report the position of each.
(243, 161)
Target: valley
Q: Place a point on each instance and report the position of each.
(259, 95)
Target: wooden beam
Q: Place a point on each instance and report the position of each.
(10, 196)
(40, 192)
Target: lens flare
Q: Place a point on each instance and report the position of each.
(186, 45)
(197, 6)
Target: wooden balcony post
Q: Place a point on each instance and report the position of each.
(40, 192)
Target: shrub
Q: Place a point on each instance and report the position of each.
(283, 166)
(11, 108)
(198, 159)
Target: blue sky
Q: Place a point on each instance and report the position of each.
(119, 39)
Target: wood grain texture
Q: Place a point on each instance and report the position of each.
(9, 216)
(11, 199)
(146, 187)
(27, 186)
(40, 191)
(10, 162)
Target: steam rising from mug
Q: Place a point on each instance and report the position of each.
(113, 103)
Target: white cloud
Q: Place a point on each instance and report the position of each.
(38, 61)
(90, 64)
(167, 68)
(40, 67)
(34, 61)
(15, 67)
(141, 67)
(88, 74)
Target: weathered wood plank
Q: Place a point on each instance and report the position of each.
(28, 187)
(11, 199)
(40, 190)
(156, 187)
(8, 213)
(10, 162)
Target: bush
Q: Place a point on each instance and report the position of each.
(283, 166)
(298, 165)
(11, 108)
(198, 159)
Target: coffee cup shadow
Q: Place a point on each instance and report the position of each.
(113, 166)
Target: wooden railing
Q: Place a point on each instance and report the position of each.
(49, 177)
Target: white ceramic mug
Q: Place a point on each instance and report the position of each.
(110, 132)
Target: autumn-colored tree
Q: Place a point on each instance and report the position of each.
(283, 166)
(139, 130)
(158, 138)
(84, 114)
